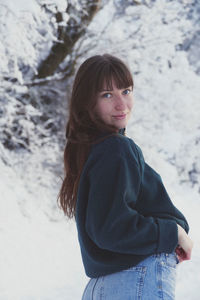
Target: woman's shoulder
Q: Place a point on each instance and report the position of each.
(108, 143)
(116, 145)
(112, 149)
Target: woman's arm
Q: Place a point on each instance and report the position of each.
(177, 215)
(185, 246)
(111, 222)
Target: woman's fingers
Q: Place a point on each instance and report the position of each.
(182, 254)
(184, 249)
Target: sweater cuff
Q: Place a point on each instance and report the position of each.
(168, 235)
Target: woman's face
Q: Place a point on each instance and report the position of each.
(114, 106)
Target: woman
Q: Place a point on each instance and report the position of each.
(131, 235)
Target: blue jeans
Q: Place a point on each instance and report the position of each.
(151, 279)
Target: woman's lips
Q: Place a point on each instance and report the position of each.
(119, 117)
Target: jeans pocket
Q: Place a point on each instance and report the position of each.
(166, 276)
(176, 256)
(171, 260)
(125, 284)
(135, 268)
(137, 273)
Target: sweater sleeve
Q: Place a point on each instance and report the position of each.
(177, 216)
(111, 222)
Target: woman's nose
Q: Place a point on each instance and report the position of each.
(120, 102)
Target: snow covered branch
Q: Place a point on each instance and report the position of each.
(68, 33)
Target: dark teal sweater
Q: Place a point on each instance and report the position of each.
(123, 212)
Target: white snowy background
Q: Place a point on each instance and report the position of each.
(39, 252)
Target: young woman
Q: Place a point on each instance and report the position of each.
(131, 235)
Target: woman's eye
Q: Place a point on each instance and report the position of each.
(106, 95)
(126, 92)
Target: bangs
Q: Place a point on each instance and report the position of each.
(120, 74)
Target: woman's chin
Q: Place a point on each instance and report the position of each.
(120, 124)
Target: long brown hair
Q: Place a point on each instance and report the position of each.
(84, 126)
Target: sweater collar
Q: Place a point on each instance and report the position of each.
(121, 131)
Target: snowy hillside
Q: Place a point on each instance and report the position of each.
(40, 256)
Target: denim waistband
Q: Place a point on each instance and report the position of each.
(166, 255)
(162, 254)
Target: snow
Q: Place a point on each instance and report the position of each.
(40, 255)
(37, 247)
(20, 6)
(27, 34)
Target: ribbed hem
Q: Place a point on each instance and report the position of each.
(168, 235)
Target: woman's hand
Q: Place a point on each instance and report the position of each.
(185, 245)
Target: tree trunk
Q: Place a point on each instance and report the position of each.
(68, 35)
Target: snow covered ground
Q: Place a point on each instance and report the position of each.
(40, 256)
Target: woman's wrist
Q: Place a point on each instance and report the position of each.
(181, 232)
